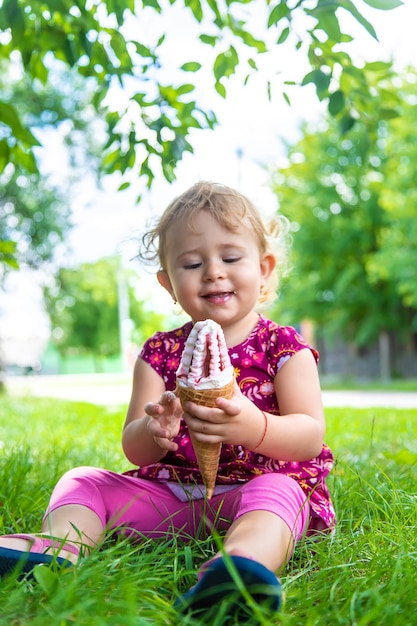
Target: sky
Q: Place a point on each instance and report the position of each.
(247, 141)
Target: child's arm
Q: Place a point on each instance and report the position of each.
(153, 418)
(295, 435)
(298, 433)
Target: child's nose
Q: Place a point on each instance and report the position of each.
(213, 270)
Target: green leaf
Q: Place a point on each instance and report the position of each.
(154, 4)
(37, 68)
(388, 114)
(4, 154)
(320, 79)
(8, 251)
(221, 89)
(211, 40)
(183, 89)
(9, 117)
(191, 66)
(195, 6)
(225, 63)
(378, 66)
(336, 102)
(279, 12)
(24, 159)
(140, 99)
(251, 41)
(118, 44)
(46, 578)
(213, 6)
(346, 123)
(15, 19)
(123, 186)
(384, 5)
(350, 7)
(284, 35)
(144, 51)
(329, 23)
(110, 160)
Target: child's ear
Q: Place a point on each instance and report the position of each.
(268, 263)
(163, 279)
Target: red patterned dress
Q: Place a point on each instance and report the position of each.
(256, 361)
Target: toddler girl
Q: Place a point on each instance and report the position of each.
(216, 262)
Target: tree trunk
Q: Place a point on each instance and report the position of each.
(385, 372)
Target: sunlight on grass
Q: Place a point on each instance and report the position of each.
(363, 574)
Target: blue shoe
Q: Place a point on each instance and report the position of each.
(218, 583)
(22, 563)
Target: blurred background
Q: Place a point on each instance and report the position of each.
(109, 110)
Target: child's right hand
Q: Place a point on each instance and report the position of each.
(164, 420)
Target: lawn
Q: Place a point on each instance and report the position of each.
(362, 575)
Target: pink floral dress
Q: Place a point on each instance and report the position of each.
(256, 361)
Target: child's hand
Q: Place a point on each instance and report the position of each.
(164, 422)
(236, 421)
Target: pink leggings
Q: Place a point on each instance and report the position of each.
(150, 509)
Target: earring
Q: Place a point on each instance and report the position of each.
(177, 310)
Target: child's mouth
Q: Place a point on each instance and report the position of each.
(219, 297)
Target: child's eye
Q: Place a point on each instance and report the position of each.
(232, 259)
(192, 266)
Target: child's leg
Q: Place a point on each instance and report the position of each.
(68, 529)
(269, 515)
(261, 536)
(79, 525)
(88, 502)
(59, 528)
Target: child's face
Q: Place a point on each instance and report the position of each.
(215, 273)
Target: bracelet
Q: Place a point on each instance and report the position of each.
(264, 433)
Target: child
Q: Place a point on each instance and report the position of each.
(216, 262)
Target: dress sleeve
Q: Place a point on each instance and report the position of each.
(152, 353)
(163, 353)
(289, 342)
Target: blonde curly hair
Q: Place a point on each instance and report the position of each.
(229, 208)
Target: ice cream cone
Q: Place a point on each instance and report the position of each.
(207, 454)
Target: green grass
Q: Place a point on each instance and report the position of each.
(350, 384)
(362, 575)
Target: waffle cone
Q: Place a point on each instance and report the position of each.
(207, 454)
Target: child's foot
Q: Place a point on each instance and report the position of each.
(220, 582)
(38, 550)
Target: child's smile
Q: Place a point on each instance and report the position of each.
(219, 297)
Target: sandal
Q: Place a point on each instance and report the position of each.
(218, 583)
(23, 562)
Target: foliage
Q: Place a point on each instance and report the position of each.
(352, 204)
(150, 109)
(83, 305)
(34, 210)
(364, 574)
(34, 217)
(111, 44)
